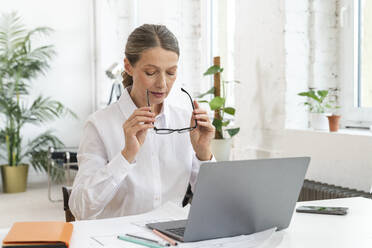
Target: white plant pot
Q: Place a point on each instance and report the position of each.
(319, 121)
(221, 149)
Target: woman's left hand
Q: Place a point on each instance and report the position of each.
(202, 135)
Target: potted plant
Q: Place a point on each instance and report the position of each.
(20, 62)
(320, 106)
(221, 145)
(334, 119)
(334, 122)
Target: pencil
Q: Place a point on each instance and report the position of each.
(140, 242)
(147, 239)
(163, 236)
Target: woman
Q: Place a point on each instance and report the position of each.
(125, 165)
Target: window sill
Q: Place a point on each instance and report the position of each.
(343, 131)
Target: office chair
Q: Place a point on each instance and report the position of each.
(66, 191)
(63, 160)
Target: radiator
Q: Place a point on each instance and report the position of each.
(312, 190)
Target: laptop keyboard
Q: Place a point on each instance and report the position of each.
(178, 231)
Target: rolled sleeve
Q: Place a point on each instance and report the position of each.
(119, 167)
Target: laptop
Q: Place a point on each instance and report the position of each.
(240, 197)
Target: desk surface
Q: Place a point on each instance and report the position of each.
(305, 230)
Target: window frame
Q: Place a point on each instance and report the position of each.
(352, 114)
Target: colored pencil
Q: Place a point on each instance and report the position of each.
(165, 237)
(140, 242)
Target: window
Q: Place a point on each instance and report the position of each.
(365, 54)
(356, 62)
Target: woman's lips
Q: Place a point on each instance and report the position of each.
(158, 94)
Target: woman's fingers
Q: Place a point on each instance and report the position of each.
(196, 104)
(141, 112)
(199, 111)
(141, 127)
(138, 119)
(205, 124)
(133, 129)
(202, 117)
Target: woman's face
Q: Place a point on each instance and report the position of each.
(156, 72)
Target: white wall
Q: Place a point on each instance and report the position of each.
(116, 19)
(340, 159)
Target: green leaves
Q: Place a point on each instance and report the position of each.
(229, 110)
(17, 56)
(38, 149)
(20, 61)
(217, 103)
(310, 94)
(45, 109)
(217, 124)
(213, 70)
(210, 91)
(233, 131)
(318, 96)
(318, 101)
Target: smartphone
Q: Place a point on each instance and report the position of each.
(322, 210)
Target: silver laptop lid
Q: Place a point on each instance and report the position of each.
(241, 197)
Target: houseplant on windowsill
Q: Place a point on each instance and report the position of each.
(320, 107)
(221, 145)
(20, 62)
(334, 118)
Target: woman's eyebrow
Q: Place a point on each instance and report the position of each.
(150, 65)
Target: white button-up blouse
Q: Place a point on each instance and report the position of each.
(107, 185)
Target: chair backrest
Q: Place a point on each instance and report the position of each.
(66, 191)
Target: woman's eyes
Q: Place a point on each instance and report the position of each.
(150, 73)
(153, 73)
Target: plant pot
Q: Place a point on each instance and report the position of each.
(319, 121)
(221, 149)
(334, 122)
(14, 178)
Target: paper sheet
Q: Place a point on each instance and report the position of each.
(246, 241)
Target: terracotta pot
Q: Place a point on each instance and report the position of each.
(334, 122)
(14, 178)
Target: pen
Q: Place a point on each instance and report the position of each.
(163, 236)
(147, 239)
(97, 241)
(139, 242)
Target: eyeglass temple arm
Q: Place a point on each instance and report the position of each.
(148, 99)
(192, 103)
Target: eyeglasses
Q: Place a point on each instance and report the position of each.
(167, 130)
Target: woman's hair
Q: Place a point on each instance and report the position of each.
(145, 37)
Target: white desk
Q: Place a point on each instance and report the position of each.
(305, 230)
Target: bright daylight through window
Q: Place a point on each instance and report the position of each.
(365, 54)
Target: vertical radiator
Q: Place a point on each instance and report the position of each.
(312, 190)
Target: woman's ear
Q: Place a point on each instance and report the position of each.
(128, 67)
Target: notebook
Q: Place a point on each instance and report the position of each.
(39, 234)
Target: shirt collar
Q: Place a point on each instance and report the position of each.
(126, 103)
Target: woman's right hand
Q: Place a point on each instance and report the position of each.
(135, 130)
